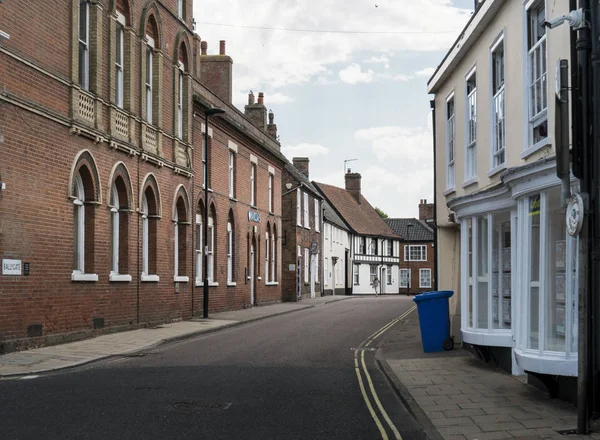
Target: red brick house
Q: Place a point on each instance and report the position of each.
(416, 256)
(104, 165)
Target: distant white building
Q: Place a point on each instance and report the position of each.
(336, 246)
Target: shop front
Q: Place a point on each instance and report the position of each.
(519, 274)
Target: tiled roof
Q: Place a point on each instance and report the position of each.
(301, 178)
(361, 217)
(331, 216)
(420, 231)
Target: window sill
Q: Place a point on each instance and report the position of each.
(118, 277)
(470, 182)
(536, 147)
(253, 206)
(233, 199)
(449, 191)
(495, 338)
(200, 283)
(307, 227)
(150, 278)
(271, 283)
(424, 287)
(496, 170)
(181, 279)
(79, 276)
(231, 284)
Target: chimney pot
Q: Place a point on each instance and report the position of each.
(251, 98)
(222, 47)
(261, 98)
(271, 116)
(203, 47)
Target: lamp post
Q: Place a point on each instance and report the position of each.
(207, 113)
(409, 277)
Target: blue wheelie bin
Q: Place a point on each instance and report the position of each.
(435, 320)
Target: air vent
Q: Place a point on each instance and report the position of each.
(34, 330)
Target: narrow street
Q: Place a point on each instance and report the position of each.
(288, 377)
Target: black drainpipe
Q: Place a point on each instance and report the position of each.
(435, 243)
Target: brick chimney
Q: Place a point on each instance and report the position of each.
(353, 184)
(301, 164)
(216, 72)
(257, 113)
(272, 127)
(425, 210)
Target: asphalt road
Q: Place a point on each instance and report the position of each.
(285, 377)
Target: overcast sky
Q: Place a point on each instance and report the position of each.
(354, 90)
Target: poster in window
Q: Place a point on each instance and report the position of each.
(534, 205)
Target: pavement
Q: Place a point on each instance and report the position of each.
(58, 357)
(456, 396)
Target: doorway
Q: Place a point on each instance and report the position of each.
(382, 280)
(251, 274)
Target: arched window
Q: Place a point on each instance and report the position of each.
(199, 241)
(152, 69)
(84, 198)
(181, 94)
(180, 222)
(149, 234)
(267, 253)
(119, 212)
(230, 249)
(274, 255)
(210, 241)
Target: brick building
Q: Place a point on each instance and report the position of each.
(302, 222)
(417, 256)
(103, 165)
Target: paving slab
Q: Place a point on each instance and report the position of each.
(461, 397)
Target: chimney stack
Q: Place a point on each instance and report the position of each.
(301, 164)
(217, 72)
(257, 113)
(271, 126)
(425, 210)
(353, 184)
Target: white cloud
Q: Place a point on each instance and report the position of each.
(398, 77)
(353, 74)
(408, 144)
(279, 98)
(427, 72)
(304, 150)
(383, 59)
(269, 59)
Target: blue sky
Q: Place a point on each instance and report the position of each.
(356, 89)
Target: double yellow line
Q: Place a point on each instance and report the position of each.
(361, 348)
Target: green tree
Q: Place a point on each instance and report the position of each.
(381, 213)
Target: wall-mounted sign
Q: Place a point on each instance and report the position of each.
(575, 212)
(254, 216)
(292, 267)
(11, 267)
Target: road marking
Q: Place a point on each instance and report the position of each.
(33, 376)
(362, 348)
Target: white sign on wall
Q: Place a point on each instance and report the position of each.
(292, 267)
(11, 267)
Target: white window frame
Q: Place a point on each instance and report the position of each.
(498, 106)
(306, 265)
(84, 44)
(80, 225)
(306, 210)
(536, 115)
(404, 278)
(229, 253)
(271, 192)
(253, 184)
(390, 248)
(298, 207)
(326, 274)
(389, 275)
(471, 127)
(149, 78)
(317, 216)
(450, 142)
(425, 274)
(317, 268)
(267, 250)
(180, 101)
(422, 252)
(119, 60)
(373, 274)
(204, 162)
(199, 251)
(210, 242)
(231, 174)
(356, 274)
(180, 9)
(273, 254)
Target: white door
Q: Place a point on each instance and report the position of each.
(312, 276)
(333, 281)
(252, 274)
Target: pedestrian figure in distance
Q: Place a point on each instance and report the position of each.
(376, 285)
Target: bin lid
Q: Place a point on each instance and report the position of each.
(433, 295)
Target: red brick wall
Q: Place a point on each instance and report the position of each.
(414, 267)
(37, 215)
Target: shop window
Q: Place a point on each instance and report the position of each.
(482, 272)
(501, 271)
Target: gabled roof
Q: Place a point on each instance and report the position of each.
(301, 178)
(420, 231)
(329, 215)
(361, 217)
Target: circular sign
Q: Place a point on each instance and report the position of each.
(575, 211)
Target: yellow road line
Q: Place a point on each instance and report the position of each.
(384, 435)
(377, 401)
(365, 344)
